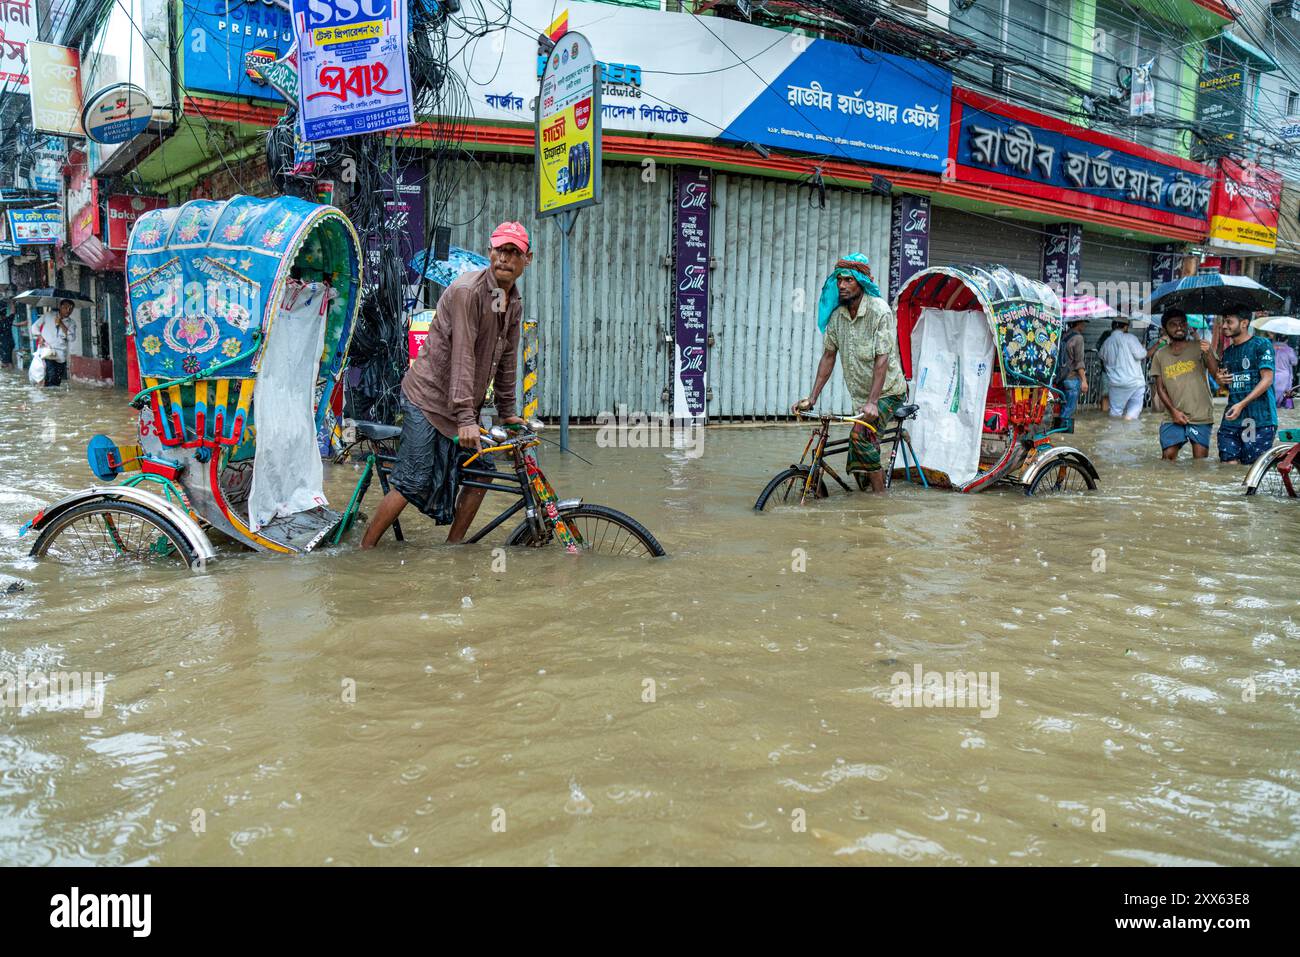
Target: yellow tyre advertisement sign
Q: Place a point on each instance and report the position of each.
(568, 128)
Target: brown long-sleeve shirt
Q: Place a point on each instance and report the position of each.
(474, 340)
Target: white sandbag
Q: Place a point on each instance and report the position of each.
(288, 475)
(952, 364)
(36, 371)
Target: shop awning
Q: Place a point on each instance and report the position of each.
(1252, 54)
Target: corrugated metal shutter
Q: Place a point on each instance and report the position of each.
(1115, 270)
(960, 237)
(620, 306)
(774, 250)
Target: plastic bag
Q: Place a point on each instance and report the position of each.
(952, 362)
(288, 475)
(36, 371)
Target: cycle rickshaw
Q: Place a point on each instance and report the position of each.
(240, 317)
(978, 346)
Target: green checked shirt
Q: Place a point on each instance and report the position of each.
(858, 339)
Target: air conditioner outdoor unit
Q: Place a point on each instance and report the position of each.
(1287, 11)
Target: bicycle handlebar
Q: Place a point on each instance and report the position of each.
(844, 419)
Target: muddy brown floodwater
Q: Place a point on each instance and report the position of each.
(1144, 641)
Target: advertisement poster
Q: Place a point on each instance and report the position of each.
(354, 76)
(55, 76)
(1062, 256)
(47, 164)
(909, 243)
(1220, 101)
(1165, 263)
(692, 224)
(123, 211)
(568, 129)
(17, 29)
(34, 227)
(404, 211)
(230, 31)
(1247, 198)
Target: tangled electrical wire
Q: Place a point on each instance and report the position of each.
(375, 171)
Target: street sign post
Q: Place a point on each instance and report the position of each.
(568, 166)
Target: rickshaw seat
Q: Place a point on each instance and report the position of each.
(378, 432)
(904, 412)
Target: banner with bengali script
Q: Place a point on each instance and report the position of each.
(1247, 199)
(55, 75)
(354, 76)
(17, 29)
(717, 79)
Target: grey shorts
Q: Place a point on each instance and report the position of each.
(427, 471)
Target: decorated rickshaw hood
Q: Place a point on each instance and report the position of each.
(203, 279)
(1023, 314)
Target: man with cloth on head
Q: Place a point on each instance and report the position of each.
(860, 327)
(474, 341)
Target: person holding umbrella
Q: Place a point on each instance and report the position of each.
(1250, 421)
(55, 331)
(1179, 371)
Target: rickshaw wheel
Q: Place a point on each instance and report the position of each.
(100, 532)
(786, 488)
(1274, 483)
(1062, 478)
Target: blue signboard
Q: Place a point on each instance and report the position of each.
(996, 143)
(218, 35)
(35, 227)
(47, 164)
(853, 104)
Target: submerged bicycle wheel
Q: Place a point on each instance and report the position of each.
(1062, 478)
(1275, 483)
(786, 488)
(101, 532)
(604, 531)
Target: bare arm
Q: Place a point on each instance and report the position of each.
(825, 366)
(1211, 360)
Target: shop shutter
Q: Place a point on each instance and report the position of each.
(620, 289)
(775, 246)
(960, 237)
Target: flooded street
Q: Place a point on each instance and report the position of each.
(1144, 639)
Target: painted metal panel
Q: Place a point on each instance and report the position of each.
(774, 248)
(620, 308)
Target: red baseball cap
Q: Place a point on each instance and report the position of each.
(510, 233)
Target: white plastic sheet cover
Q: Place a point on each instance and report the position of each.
(952, 364)
(288, 474)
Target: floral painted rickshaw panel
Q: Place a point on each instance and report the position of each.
(201, 278)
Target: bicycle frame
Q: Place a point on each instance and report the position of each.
(821, 446)
(527, 483)
(530, 484)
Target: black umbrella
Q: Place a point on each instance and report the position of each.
(1212, 293)
(50, 296)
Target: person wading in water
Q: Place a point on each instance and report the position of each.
(860, 329)
(474, 341)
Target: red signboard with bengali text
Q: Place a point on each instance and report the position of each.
(123, 211)
(1247, 200)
